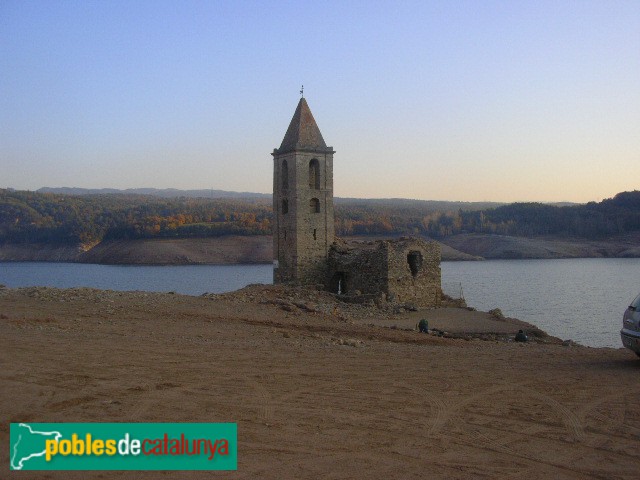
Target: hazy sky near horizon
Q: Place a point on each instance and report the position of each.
(444, 100)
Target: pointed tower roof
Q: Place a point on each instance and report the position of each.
(303, 132)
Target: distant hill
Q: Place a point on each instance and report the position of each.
(427, 205)
(430, 205)
(156, 192)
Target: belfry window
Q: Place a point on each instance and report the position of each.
(285, 175)
(314, 205)
(314, 174)
(285, 205)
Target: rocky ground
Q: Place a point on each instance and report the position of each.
(321, 388)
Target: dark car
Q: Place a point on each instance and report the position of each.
(630, 332)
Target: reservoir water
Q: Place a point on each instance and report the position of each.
(578, 299)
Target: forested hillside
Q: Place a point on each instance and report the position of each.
(28, 217)
(617, 215)
(31, 217)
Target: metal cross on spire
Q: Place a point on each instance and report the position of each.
(302, 92)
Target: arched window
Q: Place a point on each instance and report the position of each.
(284, 171)
(314, 205)
(285, 205)
(314, 174)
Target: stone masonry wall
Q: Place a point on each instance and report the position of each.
(303, 233)
(403, 271)
(314, 228)
(360, 269)
(420, 286)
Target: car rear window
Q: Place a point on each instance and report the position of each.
(636, 303)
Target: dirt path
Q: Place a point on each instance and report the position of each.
(316, 392)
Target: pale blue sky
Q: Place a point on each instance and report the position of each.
(451, 100)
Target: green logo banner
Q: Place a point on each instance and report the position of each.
(124, 446)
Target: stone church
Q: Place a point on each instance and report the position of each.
(305, 249)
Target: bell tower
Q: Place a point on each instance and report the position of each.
(302, 202)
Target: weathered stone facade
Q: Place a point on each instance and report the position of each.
(405, 271)
(302, 202)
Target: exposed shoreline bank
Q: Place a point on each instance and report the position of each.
(232, 250)
(450, 321)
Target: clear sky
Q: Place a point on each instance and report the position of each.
(445, 100)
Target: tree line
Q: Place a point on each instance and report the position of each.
(31, 217)
(613, 216)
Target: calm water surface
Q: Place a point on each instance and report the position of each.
(578, 299)
(186, 279)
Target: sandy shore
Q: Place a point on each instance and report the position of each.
(320, 389)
